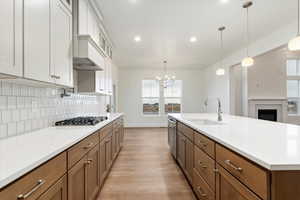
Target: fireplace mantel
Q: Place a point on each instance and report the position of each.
(277, 103)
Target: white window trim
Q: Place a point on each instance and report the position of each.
(296, 78)
(161, 100)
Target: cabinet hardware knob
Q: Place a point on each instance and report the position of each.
(201, 192)
(216, 170)
(229, 163)
(35, 188)
(89, 145)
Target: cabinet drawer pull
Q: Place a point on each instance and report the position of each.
(216, 170)
(203, 144)
(35, 188)
(229, 163)
(201, 164)
(201, 192)
(89, 145)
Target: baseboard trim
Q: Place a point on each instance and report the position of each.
(145, 125)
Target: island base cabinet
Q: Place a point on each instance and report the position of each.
(229, 188)
(57, 192)
(201, 188)
(181, 142)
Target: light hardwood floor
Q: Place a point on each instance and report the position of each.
(145, 170)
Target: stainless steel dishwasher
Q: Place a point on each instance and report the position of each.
(172, 128)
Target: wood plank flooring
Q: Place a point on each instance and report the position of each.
(145, 170)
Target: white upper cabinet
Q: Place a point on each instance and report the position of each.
(37, 40)
(61, 44)
(108, 76)
(48, 41)
(88, 20)
(11, 35)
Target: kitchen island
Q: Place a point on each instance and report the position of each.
(238, 158)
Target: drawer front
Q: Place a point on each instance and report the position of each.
(32, 185)
(205, 166)
(76, 152)
(105, 131)
(201, 188)
(248, 173)
(185, 130)
(117, 123)
(205, 144)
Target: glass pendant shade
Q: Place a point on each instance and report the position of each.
(294, 44)
(220, 72)
(247, 62)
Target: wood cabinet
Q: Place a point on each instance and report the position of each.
(181, 142)
(11, 39)
(202, 190)
(248, 173)
(189, 159)
(84, 176)
(56, 192)
(93, 173)
(76, 174)
(61, 67)
(35, 183)
(108, 151)
(103, 167)
(77, 180)
(185, 154)
(229, 188)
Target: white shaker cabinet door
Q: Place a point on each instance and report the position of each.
(61, 44)
(37, 40)
(11, 37)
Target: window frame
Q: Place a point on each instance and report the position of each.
(142, 100)
(161, 100)
(293, 78)
(178, 97)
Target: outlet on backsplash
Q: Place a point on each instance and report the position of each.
(25, 108)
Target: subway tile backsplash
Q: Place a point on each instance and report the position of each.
(25, 108)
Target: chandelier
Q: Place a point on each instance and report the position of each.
(166, 79)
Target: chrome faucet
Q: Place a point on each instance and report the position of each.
(219, 110)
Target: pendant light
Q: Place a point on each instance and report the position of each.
(166, 79)
(248, 61)
(294, 44)
(221, 71)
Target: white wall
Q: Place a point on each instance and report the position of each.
(130, 81)
(220, 87)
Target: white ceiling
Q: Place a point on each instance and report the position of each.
(165, 27)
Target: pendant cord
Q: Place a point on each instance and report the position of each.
(247, 29)
(298, 19)
(221, 38)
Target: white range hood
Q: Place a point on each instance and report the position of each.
(88, 56)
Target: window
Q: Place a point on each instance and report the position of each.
(293, 86)
(172, 97)
(150, 97)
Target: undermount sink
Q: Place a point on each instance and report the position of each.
(205, 122)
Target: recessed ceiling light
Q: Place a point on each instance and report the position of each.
(137, 38)
(193, 39)
(132, 1)
(224, 1)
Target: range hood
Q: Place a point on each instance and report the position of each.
(88, 56)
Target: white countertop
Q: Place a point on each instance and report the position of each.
(272, 145)
(21, 154)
